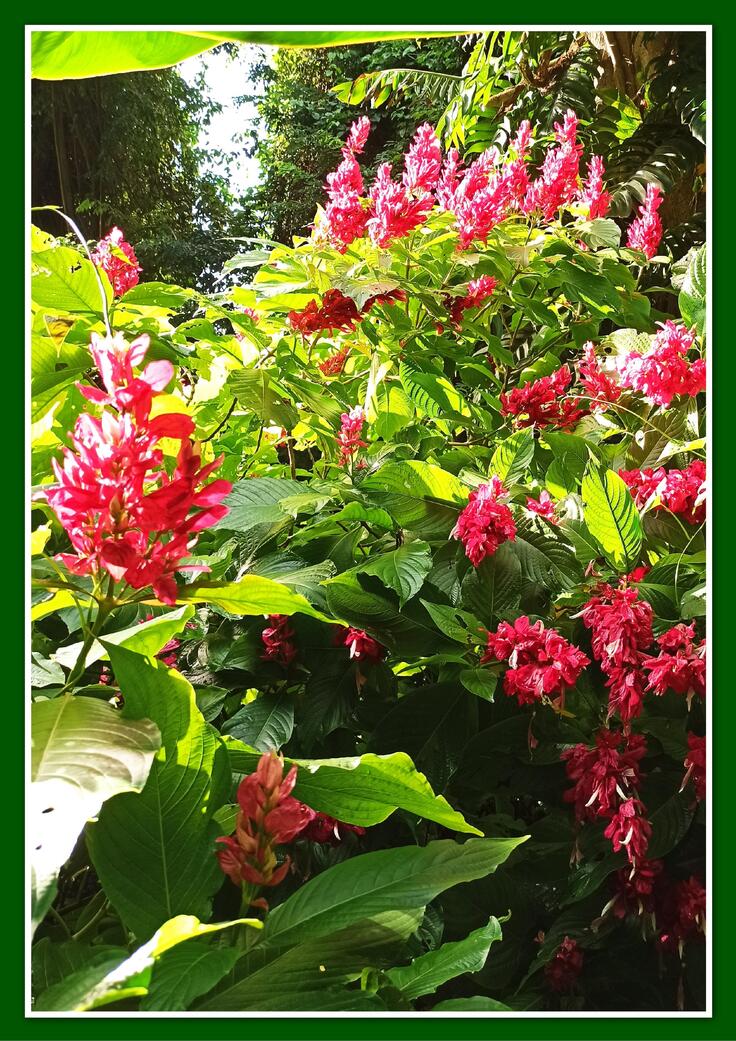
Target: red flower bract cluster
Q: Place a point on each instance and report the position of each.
(602, 387)
(269, 816)
(682, 913)
(362, 647)
(636, 889)
(621, 630)
(117, 259)
(345, 216)
(335, 363)
(124, 513)
(679, 491)
(557, 183)
(645, 231)
(695, 765)
(542, 663)
(680, 665)
(629, 829)
(328, 831)
(485, 522)
(542, 402)
(349, 440)
(664, 371)
(479, 289)
(543, 506)
(335, 312)
(277, 640)
(564, 967)
(593, 195)
(603, 774)
(395, 209)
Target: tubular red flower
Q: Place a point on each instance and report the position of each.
(604, 774)
(664, 371)
(277, 640)
(485, 522)
(593, 195)
(629, 829)
(335, 363)
(563, 969)
(695, 765)
(557, 183)
(621, 626)
(680, 666)
(681, 913)
(645, 231)
(336, 312)
(117, 259)
(479, 289)
(601, 386)
(395, 210)
(542, 402)
(328, 831)
(679, 491)
(362, 647)
(268, 817)
(543, 663)
(423, 161)
(635, 888)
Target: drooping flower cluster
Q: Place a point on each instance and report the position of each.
(337, 311)
(542, 662)
(682, 914)
(349, 439)
(542, 402)
(621, 628)
(485, 522)
(564, 967)
(629, 829)
(479, 289)
(362, 647)
(117, 259)
(328, 831)
(695, 765)
(679, 491)
(680, 665)
(603, 774)
(335, 363)
(664, 370)
(593, 195)
(268, 816)
(277, 640)
(645, 231)
(635, 889)
(123, 512)
(543, 506)
(602, 386)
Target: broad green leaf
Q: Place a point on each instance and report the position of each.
(45, 672)
(431, 970)
(478, 1003)
(64, 282)
(611, 516)
(492, 591)
(693, 298)
(250, 595)
(56, 602)
(432, 393)
(545, 555)
(83, 753)
(146, 638)
(480, 681)
(167, 864)
(456, 624)
(254, 510)
(420, 496)
(184, 973)
(79, 55)
(111, 978)
(390, 879)
(403, 569)
(362, 790)
(265, 723)
(255, 391)
(512, 457)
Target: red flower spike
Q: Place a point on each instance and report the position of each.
(123, 271)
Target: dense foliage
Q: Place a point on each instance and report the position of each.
(421, 508)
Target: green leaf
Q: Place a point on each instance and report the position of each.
(692, 298)
(167, 864)
(431, 970)
(403, 569)
(544, 554)
(83, 753)
(64, 282)
(512, 457)
(362, 790)
(493, 590)
(432, 393)
(146, 638)
(478, 1003)
(250, 595)
(479, 681)
(611, 516)
(265, 723)
(386, 880)
(79, 55)
(456, 624)
(599, 233)
(254, 510)
(184, 973)
(255, 391)
(420, 496)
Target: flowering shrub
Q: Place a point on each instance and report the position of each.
(414, 526)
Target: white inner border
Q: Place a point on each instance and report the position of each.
(462, 29)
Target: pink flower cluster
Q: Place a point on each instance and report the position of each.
(123, 512)
(593, 195)
(664, 371)
(485, 522)
(117, 259)
(542, 402)
(695, 765)
(345, 217)
(277, 640)
(564, 967)
(557, 184)
(349, 439)
(680, 665)
(602, 387)
(621, 626)
(606, 778)
(479, 289)
(268, 816)
(543, 506)
(679, 491)
(542, 663)
(362, 647)
(645, 231)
